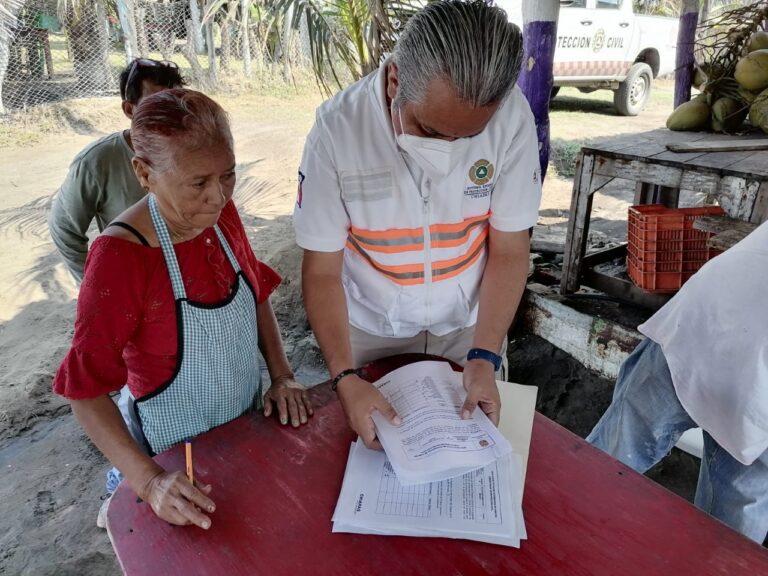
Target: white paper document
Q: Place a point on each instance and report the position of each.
(481, 505)
(433, 442)
(484, 505)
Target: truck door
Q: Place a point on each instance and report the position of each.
(573, 49)
(614, 26)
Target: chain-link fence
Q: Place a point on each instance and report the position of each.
(54, 50)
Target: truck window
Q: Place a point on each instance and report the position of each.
(573, 3)
(609, 4)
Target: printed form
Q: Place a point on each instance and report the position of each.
(433, 442)
(480, 505)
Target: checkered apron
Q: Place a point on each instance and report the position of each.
(217, 369)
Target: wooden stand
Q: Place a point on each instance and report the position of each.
(738, 181)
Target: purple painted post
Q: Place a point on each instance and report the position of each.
(686, 36)
(536, 77)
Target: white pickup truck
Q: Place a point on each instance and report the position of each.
(604, 44)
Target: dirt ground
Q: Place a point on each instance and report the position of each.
(52, 478)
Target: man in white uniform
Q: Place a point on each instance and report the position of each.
(704, 363)
(417, 188)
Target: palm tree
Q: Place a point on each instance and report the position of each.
(348, 39)
(85, 23)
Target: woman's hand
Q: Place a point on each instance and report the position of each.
(291, 398)
(359, 399)
(480, 384)
(174, 499)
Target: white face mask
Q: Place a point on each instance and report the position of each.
(436, 157)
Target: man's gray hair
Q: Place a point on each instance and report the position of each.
(469, 43)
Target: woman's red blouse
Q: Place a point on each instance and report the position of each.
(125, 330)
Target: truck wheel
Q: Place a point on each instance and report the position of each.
(632, 94)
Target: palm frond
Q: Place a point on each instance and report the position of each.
(348, 38)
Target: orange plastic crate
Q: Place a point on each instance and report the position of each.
(664, 250)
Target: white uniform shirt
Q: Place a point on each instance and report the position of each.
(414, 248)
(714, 334)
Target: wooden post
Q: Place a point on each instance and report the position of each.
(686, 37)
(536, 78)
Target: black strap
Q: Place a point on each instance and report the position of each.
(132, 230)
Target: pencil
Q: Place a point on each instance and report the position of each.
(190, 473)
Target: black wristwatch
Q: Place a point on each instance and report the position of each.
(487, 355)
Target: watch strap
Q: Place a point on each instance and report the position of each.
(487, 355)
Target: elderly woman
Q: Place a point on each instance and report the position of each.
(175, 303)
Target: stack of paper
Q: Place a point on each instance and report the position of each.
(385, 493)
(433, 442)
(483, 505)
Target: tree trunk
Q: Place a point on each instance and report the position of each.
(87, 32)
(228, 35)
(245, 38)
(197, 29)
(258, 50)
(536, 78)
(684, 60)
(190, 53)
(212, 74)
(164, 17)
(6, 36)
(141, 30)
(285, 46)
(127, 14)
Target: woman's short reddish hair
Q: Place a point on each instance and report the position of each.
(176, 120)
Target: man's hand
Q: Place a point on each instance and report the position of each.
(359, 399)
(480, 384)
(291, 398)
(174, 499)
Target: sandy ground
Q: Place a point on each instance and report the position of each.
(52, 478)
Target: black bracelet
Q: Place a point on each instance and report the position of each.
(340, 375)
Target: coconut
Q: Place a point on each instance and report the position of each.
(747, 95)
(728, 115)
(693, 115)
(758, 112)
(752, 70)
(758, 41)
(699, 77)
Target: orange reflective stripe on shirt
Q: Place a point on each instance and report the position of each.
(406, 274)
(444, 269)
(366, 243)
(389, 241)
(452, 235)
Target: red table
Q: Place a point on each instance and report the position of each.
(276, 488)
